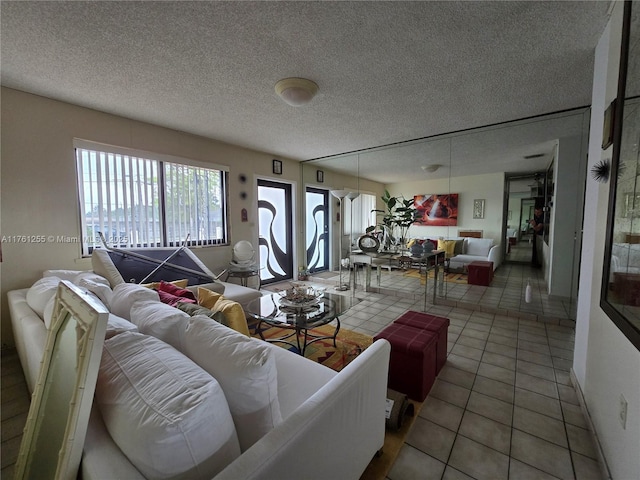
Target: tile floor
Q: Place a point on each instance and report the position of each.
(14, 409)
(502, 408)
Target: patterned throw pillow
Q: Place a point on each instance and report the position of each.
(193, 309)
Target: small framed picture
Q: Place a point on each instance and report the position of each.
(319, 176)
(607, 127)
(478, 208)
(277, 167)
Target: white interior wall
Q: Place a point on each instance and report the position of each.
(605, 363)
(488, 187)
(39, 190)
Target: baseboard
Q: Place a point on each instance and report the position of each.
(602, 461)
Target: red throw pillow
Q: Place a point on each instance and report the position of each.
(171, 299)
(177, 291)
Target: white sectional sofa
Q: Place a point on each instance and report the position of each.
(319, 423)
(476, 249)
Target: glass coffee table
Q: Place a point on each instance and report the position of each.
(299, 320)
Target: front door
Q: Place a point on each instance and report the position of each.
(275, 231)
(317, 240)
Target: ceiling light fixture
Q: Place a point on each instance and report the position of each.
(296, 91)
(431, 168)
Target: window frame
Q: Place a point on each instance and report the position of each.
(161, 160)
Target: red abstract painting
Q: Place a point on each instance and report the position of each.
(437, 210)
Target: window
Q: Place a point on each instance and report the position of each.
(358, 214)
(136, 199)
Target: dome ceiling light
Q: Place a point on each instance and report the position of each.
(296, 91)
(431, 168)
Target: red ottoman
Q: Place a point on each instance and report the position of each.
(480, 273)
(438, 325)
(412, 367)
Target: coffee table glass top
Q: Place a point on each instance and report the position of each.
(328, 307)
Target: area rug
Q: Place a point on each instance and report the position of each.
(349, 344)
(448, 277)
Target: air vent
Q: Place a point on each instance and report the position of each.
(535, 155)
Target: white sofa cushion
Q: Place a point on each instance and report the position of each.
(246, 369)
(41, 292)
(100, 288)
(126, 294)
(160, 320)
(69, 275)
(117, 325)
(167, 415)
(478, 246)
(102, 264)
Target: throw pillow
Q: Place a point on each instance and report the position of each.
(192, 310)
(246, 370)
(161, 321)
(448, 246)
(207, 298)
(171, 299)
(234, 313)
(102, 291)
(166, 414)
(177, 283)
(175, 290)
(459, 248)
(117, 325)
(126, 294)
(41, 292)
(102, 264)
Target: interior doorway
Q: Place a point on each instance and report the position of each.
(522, 192)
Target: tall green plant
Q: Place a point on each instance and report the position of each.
(396, 218)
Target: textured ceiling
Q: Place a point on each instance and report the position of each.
(388, 71)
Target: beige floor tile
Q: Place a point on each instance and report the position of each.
(496, 373)
(449, 392)
(486, 431)
(499, 360)
(522, 471)
(478, 461)
(451, 473)
(568, 394)
(471, 342)
(536, 370)
(412, 464)
(540, 425)
(573, 415)
(462, 363)
(586, 468)
(431, 438)
(537, 385)
(493, 388)
(490, 407)
(457, 376)
(442, 413)
(467, 352)
(581, 441)
(501, 349)
(538, 403)
(543, 455)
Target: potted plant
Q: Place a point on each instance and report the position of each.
(396, 218)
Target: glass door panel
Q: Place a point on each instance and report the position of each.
(275, 231)
(317, 230)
